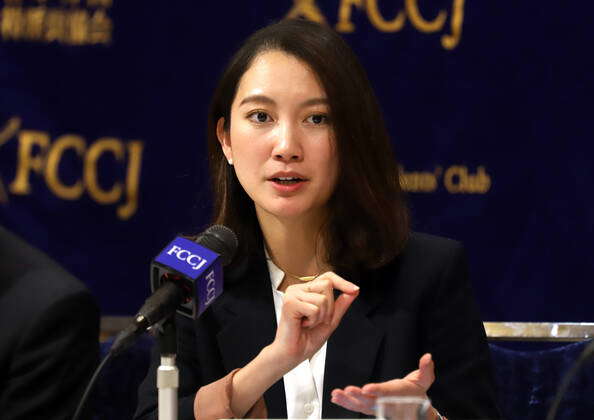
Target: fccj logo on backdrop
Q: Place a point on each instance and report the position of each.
(448, 21)
(37, 154)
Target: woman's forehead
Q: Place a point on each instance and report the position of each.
(278, 74)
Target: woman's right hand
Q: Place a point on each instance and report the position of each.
(310, 314)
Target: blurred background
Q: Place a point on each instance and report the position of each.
(103, 119)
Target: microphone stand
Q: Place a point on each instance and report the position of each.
(167, 373)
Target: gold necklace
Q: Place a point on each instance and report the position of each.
(303, 279)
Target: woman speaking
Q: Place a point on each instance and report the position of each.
(331, 301)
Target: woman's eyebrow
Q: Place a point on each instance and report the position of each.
(314, 101)
(267, 100)
(257, 99)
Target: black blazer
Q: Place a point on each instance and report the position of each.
(49, 330)
(421, 302)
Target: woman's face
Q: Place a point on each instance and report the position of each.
(280, 140)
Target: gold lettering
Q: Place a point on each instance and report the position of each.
(99, 3)
(34, 17)
(450, 42)
(482, 180)
(452, 178)
(418, 181)
(78, 25)
(10, 129)
(27, 161)
(37, 154)
(67, 141)
(100, 27)
(101, 146)
(457, 180)
(419, 22)
(344, 23)
(55, 26)
(380, 23)
(307, 9)
(135, 149)
(11, 26)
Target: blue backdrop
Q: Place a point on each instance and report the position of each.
(102, 122)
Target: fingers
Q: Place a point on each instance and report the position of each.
(339, 283)
(301, 310)
(393, 387)
(311, 313)
(341, 305)
(329, 281)
(372, 390)
(363, 399)
(325, 283)
(320, 294)
(424, 376)
(320, 301)
(426, 371)
(316, 307)
(352, 398)
(415, 383)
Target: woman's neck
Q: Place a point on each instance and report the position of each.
(295, 245)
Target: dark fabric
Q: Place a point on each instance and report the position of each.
(49, 326)
(528, 382)
(421, 302)
(117, 387)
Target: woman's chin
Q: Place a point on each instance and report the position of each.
(289, 211)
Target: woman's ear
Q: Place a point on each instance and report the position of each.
(224, 140)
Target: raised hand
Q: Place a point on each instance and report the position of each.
(362, 399)
(310, 314)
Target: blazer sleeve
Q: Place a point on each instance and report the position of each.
(454, 334)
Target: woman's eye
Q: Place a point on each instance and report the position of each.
(317, 119)
(259, 116)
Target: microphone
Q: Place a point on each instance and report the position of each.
(186, 276)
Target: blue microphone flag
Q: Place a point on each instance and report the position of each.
(193, 267)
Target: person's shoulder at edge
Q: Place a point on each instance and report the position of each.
(34, 286)
(54, 322)
(29, 273)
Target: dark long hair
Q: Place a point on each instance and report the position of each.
(368, 218)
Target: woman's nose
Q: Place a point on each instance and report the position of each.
(287, 147)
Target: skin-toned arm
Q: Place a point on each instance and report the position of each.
(310, 314)
(363, 399)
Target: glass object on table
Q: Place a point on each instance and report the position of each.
(402, 408)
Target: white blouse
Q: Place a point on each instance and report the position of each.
(305, 383)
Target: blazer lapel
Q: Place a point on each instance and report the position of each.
(352, 348)
(249, 326)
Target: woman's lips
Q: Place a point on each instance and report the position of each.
(287, 184)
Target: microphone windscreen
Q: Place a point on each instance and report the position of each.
(221, 240)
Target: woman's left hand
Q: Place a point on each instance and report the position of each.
(362, 399)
